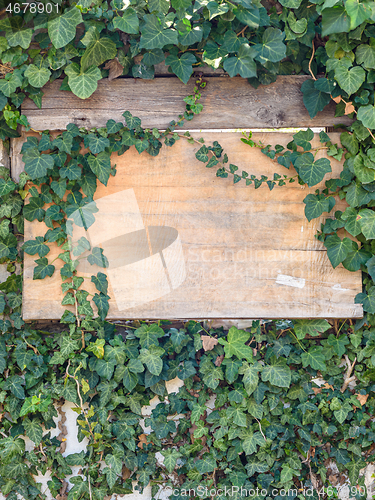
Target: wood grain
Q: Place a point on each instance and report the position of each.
(248, 253)
(229, 103)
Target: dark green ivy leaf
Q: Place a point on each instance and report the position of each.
(43, 269)
(182, 66)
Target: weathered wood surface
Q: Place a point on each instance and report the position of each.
(229, 103)
(247, 253)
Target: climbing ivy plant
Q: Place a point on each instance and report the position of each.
(279, 406)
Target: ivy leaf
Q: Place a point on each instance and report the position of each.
(132, 122)
(250, 377)
(14, 384)
(314, 357)
(337, 249)
(97, 52)
(272, 47)
(342, 456)
(170, 458)
(237, 415)
(100, 166)
(338, 344)
(38, 246)
(287, 474)
(67, 346)
(366, 114)
(354, 468)
(202, 154)
(101, 302)
(365, 54)
(243, 63)
(111, 477)
(6, 186)
(312, 172)
(43, 269)
(206, 463)
(100, 282)
(350, 80)
(128, 22)
(251, 440)
(130, 380)
(181, 4)
(163, 427)
(182, 67)
(313, 327)
(151, 357)
(11, 447)
(335, 20)
(248, 15)
(62, 29)
(149, 334)
(277, 373)
(358, 12)
(33, 210)
(314, 99)
(367, 300)
(21, 37)
(98, 258)
(82, 82)
(33, 430)
(356, 258)
(366, 219)
(212, 377)
(370, 264)
(37, 77)
(231, 369)
(235, 344)
(37, 165)
(114, 462)
(155, 36)
(216, 9)
(97, 144)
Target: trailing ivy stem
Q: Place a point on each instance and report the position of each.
(242, 32)
(80, 400)
(311, 59)
(31, 347)
(343, 323)
(260, 428)
(299, 343)
(77, 316)
(88, 480)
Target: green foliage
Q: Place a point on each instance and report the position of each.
(268, 432)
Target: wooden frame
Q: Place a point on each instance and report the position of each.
(214, 218)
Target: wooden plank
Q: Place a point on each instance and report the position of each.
(230, 103)
(247, 253)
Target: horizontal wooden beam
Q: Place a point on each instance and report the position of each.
(230, 103)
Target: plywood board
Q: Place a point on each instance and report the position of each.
(231, 251)
(229, 103)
